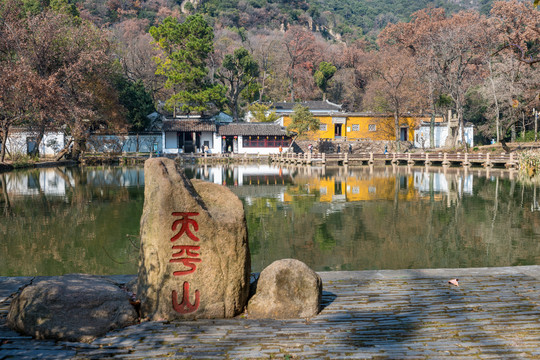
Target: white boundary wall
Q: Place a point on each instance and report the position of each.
(51, 144)
(125, 143)
(441, 133)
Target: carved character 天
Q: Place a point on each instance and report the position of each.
(185, 221)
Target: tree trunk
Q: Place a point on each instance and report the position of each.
(432, 120)
(503, 134)
(292, 84)
(396, 124)
(234, 104)
(504, 145)
(292, 142)
(39, 139)
(64, 151)
(535, 125)
(461, 127)
(497, 115)
(523, 125)
(79, 146)
(261, 93)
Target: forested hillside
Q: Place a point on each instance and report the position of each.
(373, 15)
(99, 66)
(352, 18)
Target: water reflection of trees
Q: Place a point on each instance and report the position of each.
(394, 217)
(85, 228)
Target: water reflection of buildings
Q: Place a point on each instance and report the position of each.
(382, 185)
(246, 182)
(46, 181)
(116, 176)
(336, 185)
(241, 175)
(284, 183)
(57, 181)
(430, 182)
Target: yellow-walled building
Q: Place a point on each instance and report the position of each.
(355, 126)
(339, 125)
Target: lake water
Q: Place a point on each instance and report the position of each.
(86, 219)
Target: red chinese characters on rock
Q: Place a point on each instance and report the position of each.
(186, 250)
(185, 306)
(185, 221)
(188, 256)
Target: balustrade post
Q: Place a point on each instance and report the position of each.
(466, 161)
(409, 159)
(445, 159)
(488, 160)
(427, 161)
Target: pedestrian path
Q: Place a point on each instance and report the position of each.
(391, 314)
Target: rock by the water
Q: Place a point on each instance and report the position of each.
(73, 307)
(286, 289)
(194, 259)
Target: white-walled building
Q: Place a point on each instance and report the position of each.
(198, 135)
(252, 138)
(440, 131)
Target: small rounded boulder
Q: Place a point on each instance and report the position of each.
(286, 289)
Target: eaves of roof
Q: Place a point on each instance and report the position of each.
(189, 125)
(257, 129)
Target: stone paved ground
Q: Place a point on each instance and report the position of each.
(404, 314)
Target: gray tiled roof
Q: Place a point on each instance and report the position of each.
(264, 129)
(311, 105)
(188, 125)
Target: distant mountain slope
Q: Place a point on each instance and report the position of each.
(344, 17)
(372, 15)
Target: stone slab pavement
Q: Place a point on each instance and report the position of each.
(390, 314)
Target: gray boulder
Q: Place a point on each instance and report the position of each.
(73, 307)
(194, 257)
(286, 289)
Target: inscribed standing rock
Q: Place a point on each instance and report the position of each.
(194, 257)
